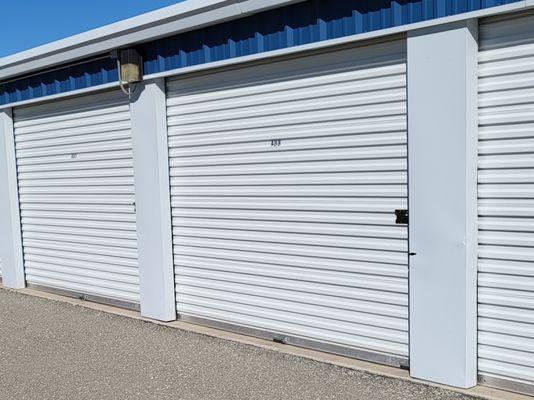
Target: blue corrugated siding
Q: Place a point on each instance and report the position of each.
(61, 80)
(298, 24)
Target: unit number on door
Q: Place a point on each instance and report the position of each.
(276, 143)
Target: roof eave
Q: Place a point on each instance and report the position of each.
(150, 26)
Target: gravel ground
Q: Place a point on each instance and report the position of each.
(54, 350)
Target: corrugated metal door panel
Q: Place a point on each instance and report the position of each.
(284, 181)
(76, 191)
(506, 203)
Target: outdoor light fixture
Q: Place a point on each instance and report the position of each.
(130, 67)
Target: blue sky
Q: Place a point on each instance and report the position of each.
(30, 23)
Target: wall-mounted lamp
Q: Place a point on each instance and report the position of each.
(130, 67)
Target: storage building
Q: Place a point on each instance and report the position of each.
(350, 176)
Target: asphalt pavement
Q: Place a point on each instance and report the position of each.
(55, 350)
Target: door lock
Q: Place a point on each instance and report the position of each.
(402, 216)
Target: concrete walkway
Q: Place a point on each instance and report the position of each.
(54, 350)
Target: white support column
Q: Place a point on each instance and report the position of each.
(10, 232)
(442, 133)
(152, 197)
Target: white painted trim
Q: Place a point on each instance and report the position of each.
(442, 170)
(150, 26)
(10, 230)
(153, 201)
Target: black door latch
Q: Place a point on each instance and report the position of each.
(402, 216)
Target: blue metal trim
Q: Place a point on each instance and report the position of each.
(302, 23)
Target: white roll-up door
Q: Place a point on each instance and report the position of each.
(76, 189)
(506, 203)
(285, 180)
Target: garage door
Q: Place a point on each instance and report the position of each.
(506, 204)
(285, 180)
(75, 175)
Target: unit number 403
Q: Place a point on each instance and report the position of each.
(276, 143)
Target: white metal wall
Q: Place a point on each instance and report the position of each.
(77, 202)
(506, 203)
(285, 178)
